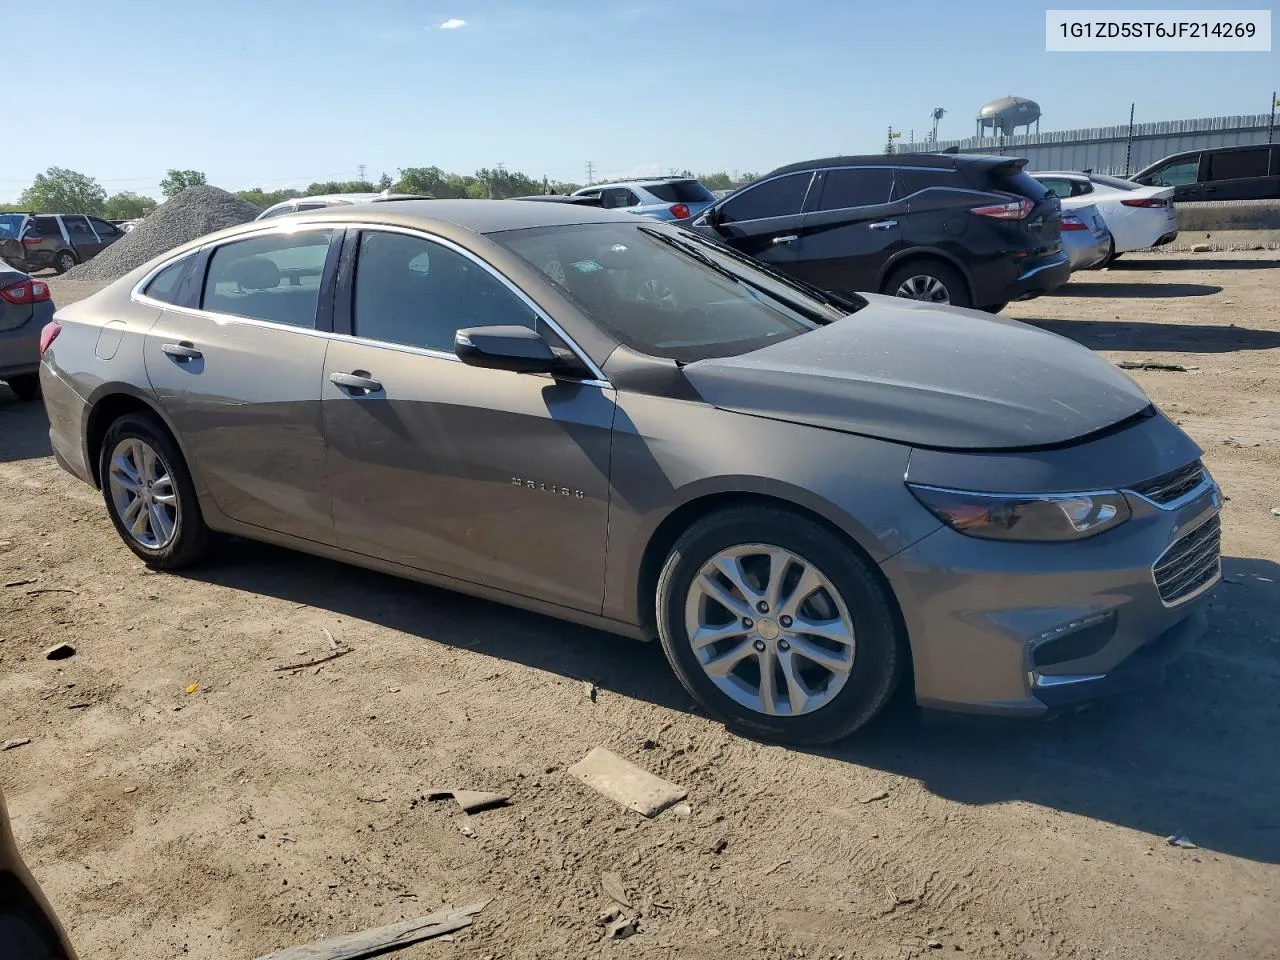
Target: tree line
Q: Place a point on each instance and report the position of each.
(59, 190)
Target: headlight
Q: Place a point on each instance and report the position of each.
(1003, 516)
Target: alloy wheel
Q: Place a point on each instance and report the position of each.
(924, 287)
(65, 262)
(143, 493)
(770, 630)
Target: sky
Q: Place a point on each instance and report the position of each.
(279, 93)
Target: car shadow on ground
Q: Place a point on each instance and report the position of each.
(1196, 263)
(1192, 755)
(24, 428)
(1144, 291)
(1159, 337)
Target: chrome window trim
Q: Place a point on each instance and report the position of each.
(296, 226)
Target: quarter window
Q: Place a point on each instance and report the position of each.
(856, 187)
(780, 197)
(164, 285)
(418, 293)
(274, 277)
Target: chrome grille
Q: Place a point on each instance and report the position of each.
(1191, 564)
(1168, 487)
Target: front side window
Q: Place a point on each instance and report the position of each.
(104, 229)
(78, 230)
(667, 293)
(856, 187)
(417, 293)
(1177, 174)
(275, 277)
(780, 197)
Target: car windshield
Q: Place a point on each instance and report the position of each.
(665, 292)
(10, 225)
(1115, 182)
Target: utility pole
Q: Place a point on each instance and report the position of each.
(1271, 124)
(360, 170)
(1128, 144)
(591, 173)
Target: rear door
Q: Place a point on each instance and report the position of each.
(763, 220)
(1239, 175)
(48, 231)
(237, 364)
(852, 230)
(84, 242)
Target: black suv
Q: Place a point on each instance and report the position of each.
(32, 242)
(973, 231)
(1218, 173)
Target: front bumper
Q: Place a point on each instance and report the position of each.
(1020, 628)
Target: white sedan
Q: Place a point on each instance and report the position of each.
(1137, 216)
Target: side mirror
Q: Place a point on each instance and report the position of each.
(505, 348)
(711, 216)
(1145, 181)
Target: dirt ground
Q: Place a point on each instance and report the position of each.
(270, 808)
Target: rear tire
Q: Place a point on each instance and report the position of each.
(64, 261)
(930, 281)
(25, 387)
(811, 703)
(149, 493)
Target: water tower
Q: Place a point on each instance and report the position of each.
(1005, 115)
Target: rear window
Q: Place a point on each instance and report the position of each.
(1008, 179)
(11, 225)
(681, 191)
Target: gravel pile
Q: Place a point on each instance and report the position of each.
(190, 214)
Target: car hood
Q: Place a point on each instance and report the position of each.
(927, 376)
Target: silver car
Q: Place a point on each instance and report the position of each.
(1085, 237)
(804, 497)
(662, 198)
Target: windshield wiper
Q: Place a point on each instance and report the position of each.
(828, 297)
(695, 253)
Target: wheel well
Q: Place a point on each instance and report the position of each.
(687, 514)
(106, 412)
(926, 256)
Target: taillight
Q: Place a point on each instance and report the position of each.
(26, 291)
(1146, 202)
(680, 211)
(1017, 210)
(32, 240)
(1070, 222)
(48, 334)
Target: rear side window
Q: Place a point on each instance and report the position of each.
(856, 187)
(48, 227)
(915, 179)
(681, 191)
(1238, 164)
(616, 198)
(780, 197)
(78, 230)
(164, 286)
(274, 277)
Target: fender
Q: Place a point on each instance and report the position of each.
(921, 252)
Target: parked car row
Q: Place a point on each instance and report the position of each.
(1137, 216)
(25, 308)
(60, 240)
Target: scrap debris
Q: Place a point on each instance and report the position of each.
(882, 795)
(60, 651)
(314, 663)
(618, 925)
(612, 883)
(625, 783)
(352, 946)
(20, 583)
(471, 801)
(1154, 365)
(11, 744)
(1180, 840)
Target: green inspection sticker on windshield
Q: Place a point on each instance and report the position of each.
(587, 266)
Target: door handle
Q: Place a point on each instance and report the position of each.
(882, 225)
(356, 382)
(777, 241)
(181, 352)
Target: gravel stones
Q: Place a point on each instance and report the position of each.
(191, 214)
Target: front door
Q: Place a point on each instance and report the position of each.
(486, 476)
(240, 379)
(84, 241)
(853, 230)
(762, 221)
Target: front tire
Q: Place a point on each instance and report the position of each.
(25, 387)
(149, 493)
(64, 261)
(931, 281)
(777, 627)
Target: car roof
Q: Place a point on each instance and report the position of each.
(1062, 173)
(641, 181)
(477, 216)
(1234, 148)
(945, 160)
